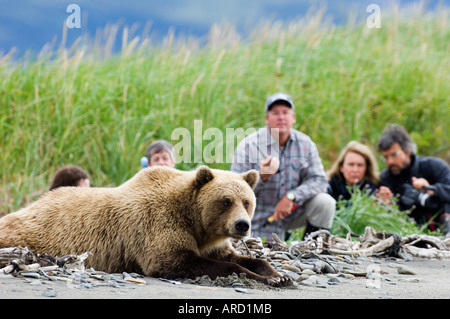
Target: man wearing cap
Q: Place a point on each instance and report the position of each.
(291, 191)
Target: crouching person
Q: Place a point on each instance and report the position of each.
(291, 191)
(421, 183)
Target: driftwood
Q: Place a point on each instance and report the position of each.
(427, 252)
(7, 255)
(376, 243)
(22, 259)
(371, 243)
(447, 243)
(424, 241)
(23, 263)
(377, 248)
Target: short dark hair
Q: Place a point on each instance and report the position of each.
(396, 134)
(68, 176)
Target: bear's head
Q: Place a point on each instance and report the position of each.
(227, 201)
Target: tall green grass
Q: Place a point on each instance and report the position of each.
(98, 109)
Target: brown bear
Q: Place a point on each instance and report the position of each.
(162, 222)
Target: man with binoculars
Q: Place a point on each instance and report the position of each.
(421, 183)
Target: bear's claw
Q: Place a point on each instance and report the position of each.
(280, 281)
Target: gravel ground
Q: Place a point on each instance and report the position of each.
(431, 280)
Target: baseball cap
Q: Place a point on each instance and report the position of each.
(279, 97)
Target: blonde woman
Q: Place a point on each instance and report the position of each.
(355, 166)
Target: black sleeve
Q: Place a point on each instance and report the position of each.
(387, 180)
(439, 178)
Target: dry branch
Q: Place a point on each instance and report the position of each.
(427, 252)
(7, 255)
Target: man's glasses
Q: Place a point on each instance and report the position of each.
(392, 155)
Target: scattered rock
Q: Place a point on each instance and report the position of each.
(308, 272)
(321, 282)
(404, 270)
(50, 292)
(174, 282)
(374, 276)
(333, 281)
(135, 280)
(311, 281)
(373, 284)
(241, 290)
(303, 277)
(410, 280)
(346, 276)
(293, 275)
(85, 285)
(291, 268)
(36, 283)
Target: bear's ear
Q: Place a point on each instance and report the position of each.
(251, 177)
(204, 175)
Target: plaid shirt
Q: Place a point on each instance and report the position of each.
(301, 171)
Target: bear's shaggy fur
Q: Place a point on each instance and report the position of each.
(162, 222)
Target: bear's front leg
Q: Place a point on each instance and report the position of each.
(258, 266)
(262, 267)
(191, 265)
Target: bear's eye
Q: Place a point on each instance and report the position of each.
(246, 204)
(227, 202)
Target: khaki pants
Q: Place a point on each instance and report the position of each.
(318, 211)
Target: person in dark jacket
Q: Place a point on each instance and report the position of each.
(355, 167)
(421, 183)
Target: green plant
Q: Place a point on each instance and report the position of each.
(363, 210)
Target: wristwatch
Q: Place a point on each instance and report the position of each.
(290, 196)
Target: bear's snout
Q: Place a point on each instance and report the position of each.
(242, 226)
